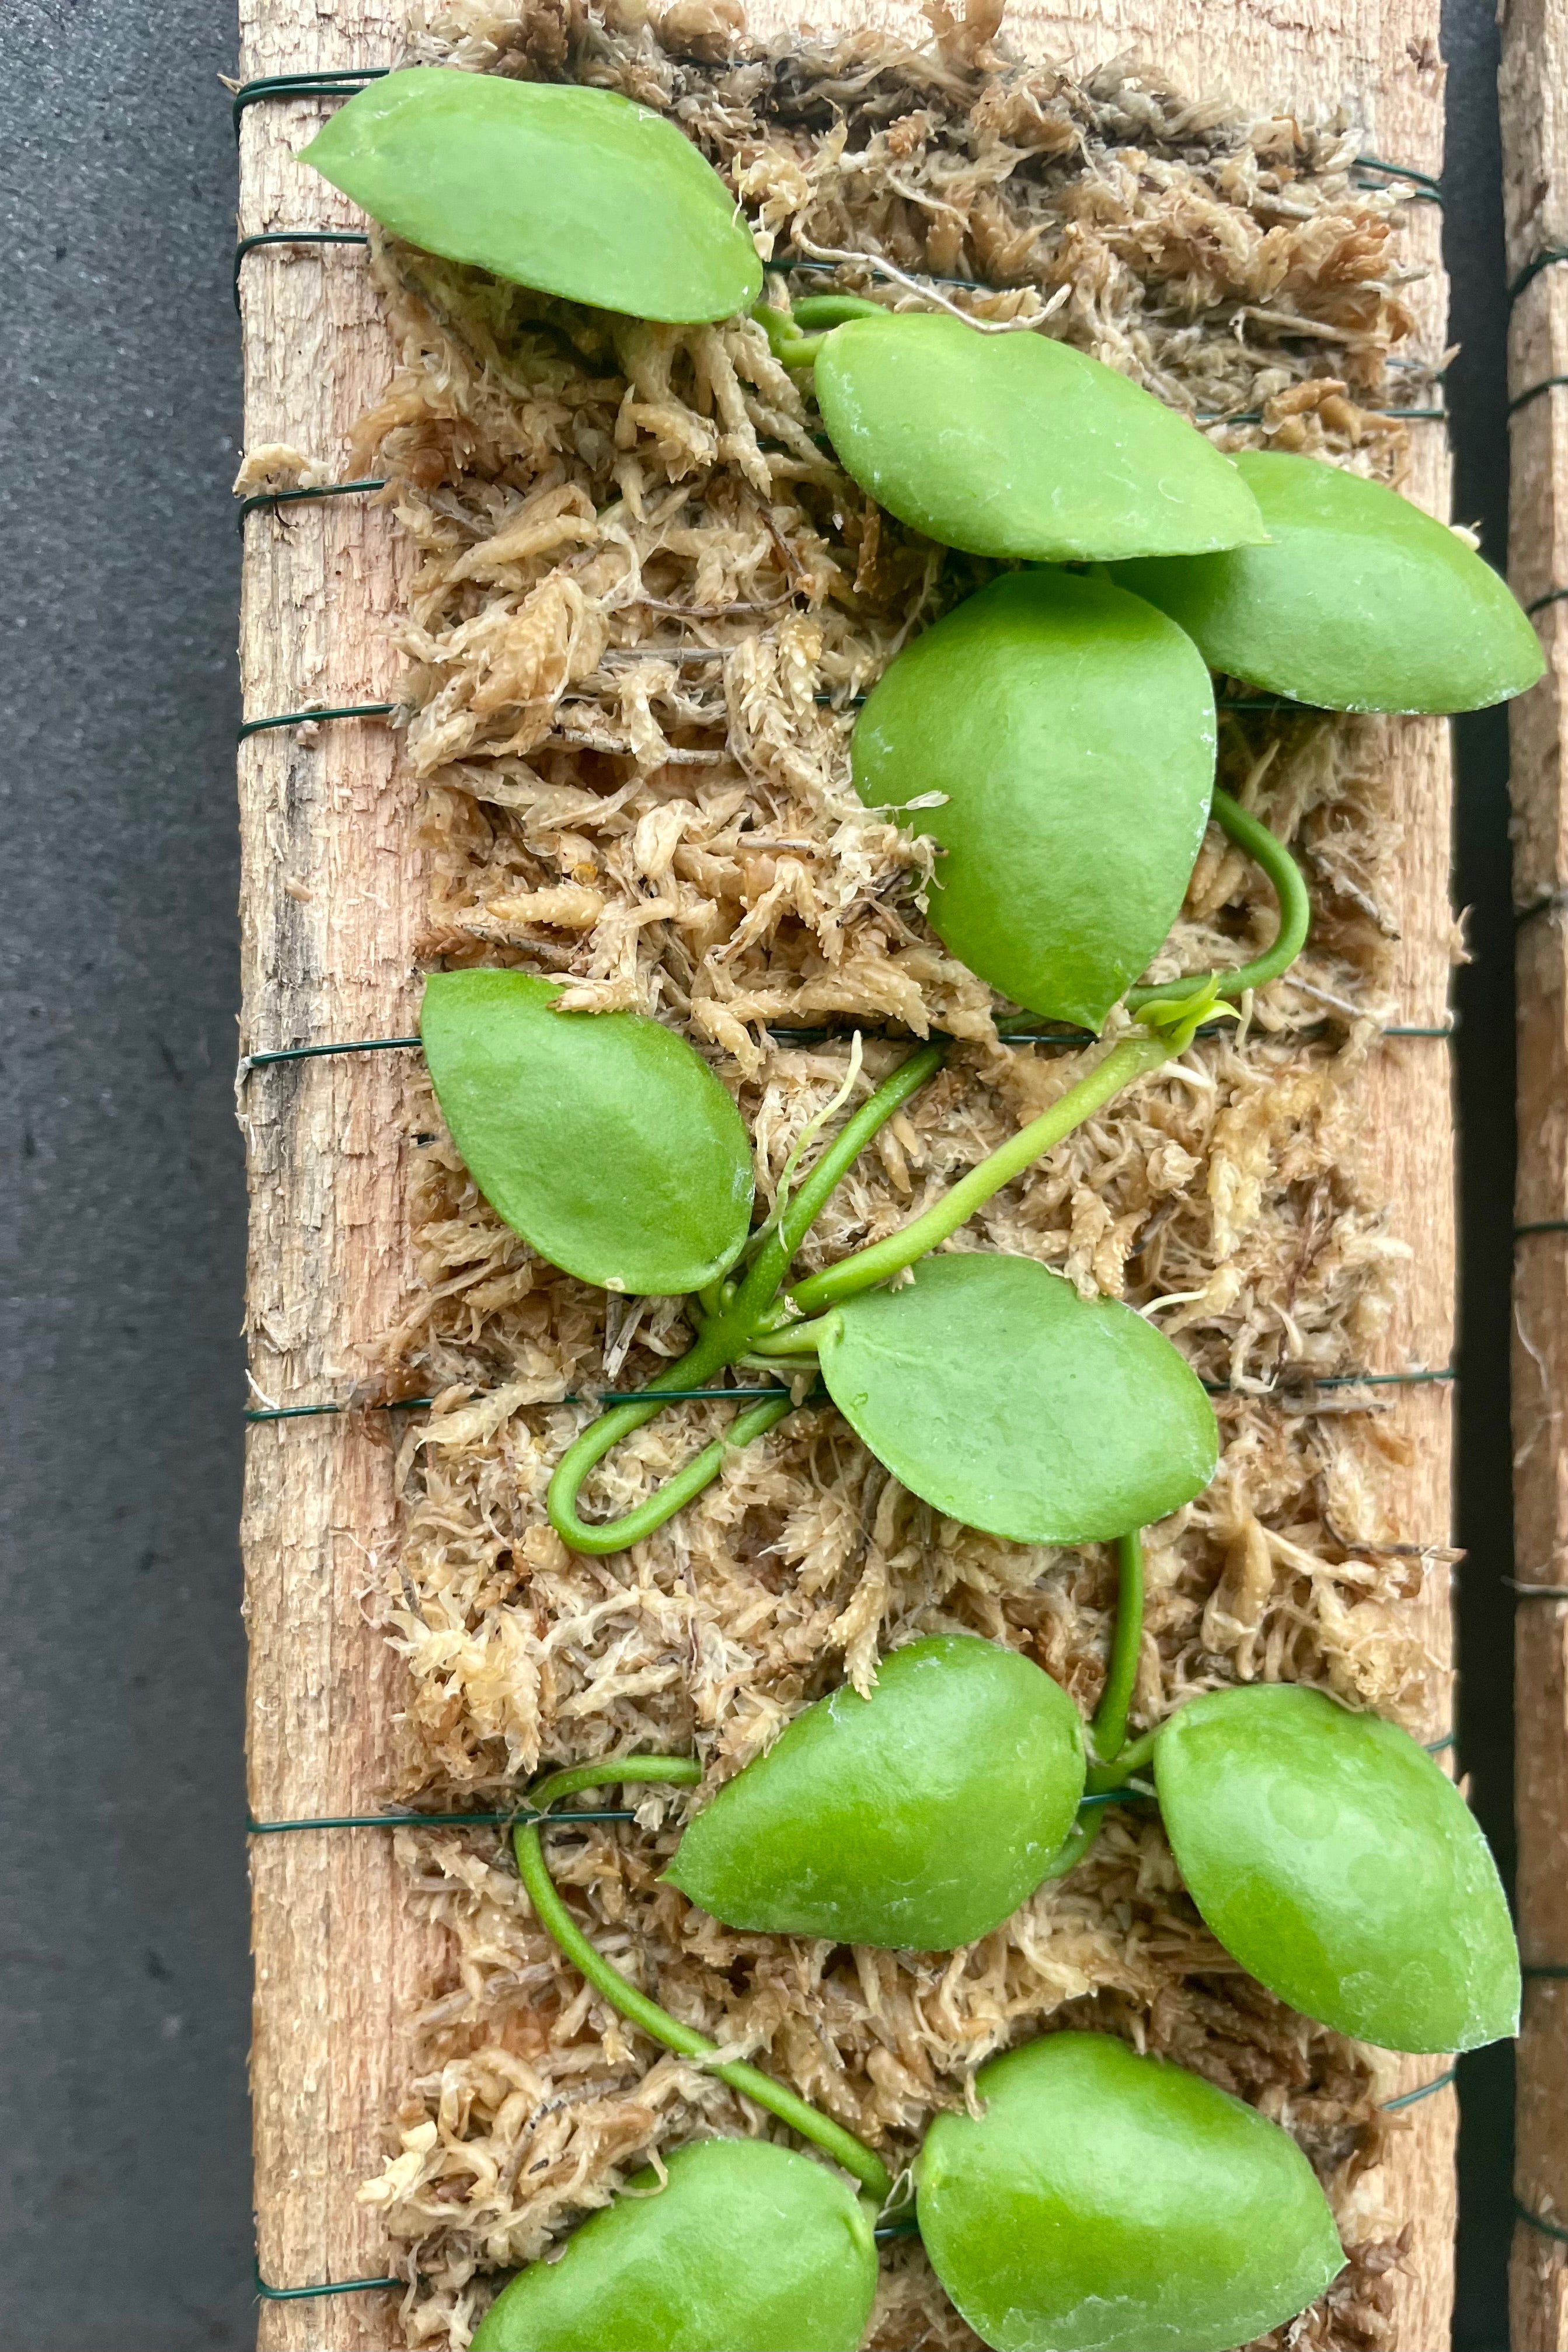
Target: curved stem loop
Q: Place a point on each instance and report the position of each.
(857, 2158)
(1265, 849)
(726, 1334)
(685, 1483)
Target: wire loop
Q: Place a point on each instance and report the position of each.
(1546, 259)
(331, 81)
(1291, 1380)
(1066, 1039)
(407, 1819)
(1533, 392)
(307, 717)
(1538, 2220)
(1426, 2090)
(291, 498)
(597, 1396)
(335, 2286)
(292, 236)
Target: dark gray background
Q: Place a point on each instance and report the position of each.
(123, 1972)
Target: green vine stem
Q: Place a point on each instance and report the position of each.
(722, 1336)
(857, 2158)
(1130, 1059)
(1107, 1732)
(1075, 1846)
(1267, 850)
(820, 312)
(1112, 1758)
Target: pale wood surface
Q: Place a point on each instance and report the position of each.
(332, 894)
(1535, 95)
(332, 890)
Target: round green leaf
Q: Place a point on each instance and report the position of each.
(747, 2248)
(994, 1391)
(920, 1816)
(1361, 603)
(575, 192)
(1070, 729)
(1016, 445)
(1341, 1866)
(1105, 2202)
(601, 1138)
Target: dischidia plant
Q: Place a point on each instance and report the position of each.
(1056, 735)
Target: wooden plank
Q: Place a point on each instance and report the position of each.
(332, 890)
(1535, 153)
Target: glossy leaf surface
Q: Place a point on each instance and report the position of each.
(1362, 603)
(748, 2248)
(996, 1392)
(1105, 2203)
(575, 192)
(1341, 1866)
(1016, 445)
(1072, 729)
(920, 1816)
(601, 1138)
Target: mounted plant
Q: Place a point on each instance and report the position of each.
(1096, 2200)
(1055, 736)
(915, 1370)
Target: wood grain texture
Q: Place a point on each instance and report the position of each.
(1534, 98)
(333, 888)
(331, 893)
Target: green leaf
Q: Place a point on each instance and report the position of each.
(602, 1138)
(747, 2248)
(1072, 729)
(575, 192)
(1334, 1859)
(919, 1817)
(992, 1390)
(1104, 2202)
(1361, 602)
(1016, 445)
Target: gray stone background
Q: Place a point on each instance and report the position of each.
(124, 1982)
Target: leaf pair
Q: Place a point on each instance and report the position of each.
(1095, 2200)
(1060, 730)
(1288, 572)
(1326, 1850)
